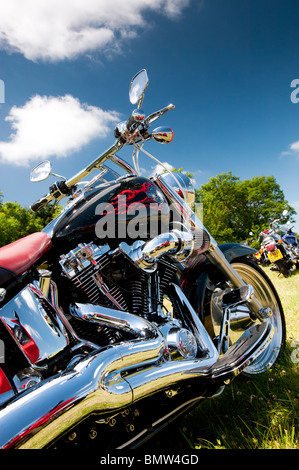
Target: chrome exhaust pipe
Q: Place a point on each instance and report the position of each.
(113, 318)
(93, 386)
(96, 384)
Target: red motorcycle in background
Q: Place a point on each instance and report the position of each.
(276, 250)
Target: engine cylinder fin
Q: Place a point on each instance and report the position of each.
(167, 271)
(91, 281)
(140, 301)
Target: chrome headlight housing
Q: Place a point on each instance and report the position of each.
(185, 188)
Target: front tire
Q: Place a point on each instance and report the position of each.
(268, 297)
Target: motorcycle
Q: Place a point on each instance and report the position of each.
(124, 312)
(262, 256)
(276, 250)
(289, 238)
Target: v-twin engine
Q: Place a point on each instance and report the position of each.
(102, 280)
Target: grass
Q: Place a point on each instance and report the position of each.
(259, 413)
(250, 414)
(288, 291)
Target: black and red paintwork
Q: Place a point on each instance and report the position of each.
(118, 202)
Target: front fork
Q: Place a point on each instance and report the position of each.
(211, 251)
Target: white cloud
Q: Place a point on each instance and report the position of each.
(47, 126)
(293, 150)
(295, 146)
(158, 169)
(56, 30)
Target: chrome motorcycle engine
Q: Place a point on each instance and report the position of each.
(99, 276)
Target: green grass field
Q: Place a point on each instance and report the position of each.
(288, 291)
(260, 413)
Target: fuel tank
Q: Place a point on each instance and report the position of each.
(127, 209)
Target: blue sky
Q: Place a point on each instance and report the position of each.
(226, 65)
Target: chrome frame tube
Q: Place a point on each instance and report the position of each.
(204, 341)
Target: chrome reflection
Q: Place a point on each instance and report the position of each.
(185, 188)
(34, 325)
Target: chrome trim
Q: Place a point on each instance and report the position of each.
(114, 319)
(235, 361)
(202, 238)
(176, 244)
(138, 86)
(2, 294)
(44, 281)
(179, 340)
(95, 164)
(204, 341)
(34, 325)
(205, 243)
(93, 385)
(181, 182)
(162, 134)
(122, 164)
(54, 301)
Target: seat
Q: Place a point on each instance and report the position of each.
(20, 255)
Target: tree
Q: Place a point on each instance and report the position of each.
(17, 221)
(181, 170)
(233, 208)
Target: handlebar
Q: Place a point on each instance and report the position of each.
(157, 114)
(41, 202)
(58, 191)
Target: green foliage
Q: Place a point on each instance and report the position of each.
(17, 221)
(181, 170)
(233, 208)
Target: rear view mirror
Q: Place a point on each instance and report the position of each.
(138, 85)
(41, 172)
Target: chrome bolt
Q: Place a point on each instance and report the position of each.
(93, 434)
